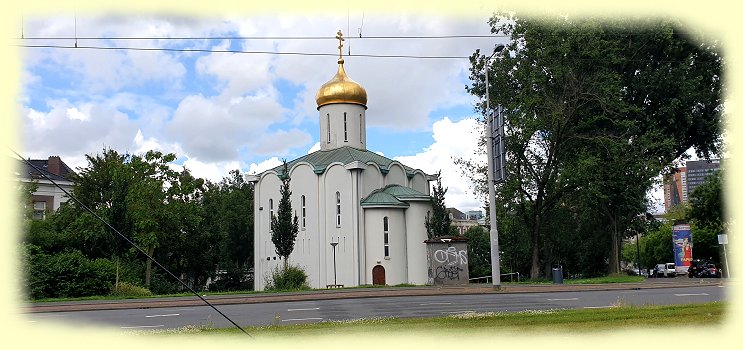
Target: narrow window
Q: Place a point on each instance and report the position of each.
(386, 237)
(361, 128)
(338, 209)
(270, 211)
(345, 127)
(304, 213)
(328, 127)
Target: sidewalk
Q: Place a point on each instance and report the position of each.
(356, 293)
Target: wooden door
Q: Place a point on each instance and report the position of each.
(378, 275)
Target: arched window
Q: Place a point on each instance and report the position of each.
(386, 222)
(304, 213)
(338, 209)
(328, 127)
(345, 127)
(361, 128)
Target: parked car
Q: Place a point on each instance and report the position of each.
(704, 269)
(665, 270)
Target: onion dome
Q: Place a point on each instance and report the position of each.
(341, 89)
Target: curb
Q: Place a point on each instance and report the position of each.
(344, 294)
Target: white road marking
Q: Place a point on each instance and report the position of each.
(458, 312)
(310, 309)
(132, 327)
(168, 315)
(566, 299)
(302, 319)
(690, 294)
(633, 292)
(424, 304)
(598, 307)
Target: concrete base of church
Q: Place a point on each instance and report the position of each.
(447, 261)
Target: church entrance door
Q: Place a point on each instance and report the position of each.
(378, 275)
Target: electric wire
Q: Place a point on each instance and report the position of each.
(68, 194)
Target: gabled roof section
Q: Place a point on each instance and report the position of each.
(344, 155)
(393, 196)
(28, 172)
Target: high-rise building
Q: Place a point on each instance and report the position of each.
(678, 186)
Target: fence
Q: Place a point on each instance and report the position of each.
(488, 279)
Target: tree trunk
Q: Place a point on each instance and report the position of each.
(535, 249)
(116, 284)
(148, 266)
(614, 253)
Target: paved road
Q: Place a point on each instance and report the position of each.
(304, 311)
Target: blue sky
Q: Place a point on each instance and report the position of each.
(220, 111)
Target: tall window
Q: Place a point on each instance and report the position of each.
(39, 211)
(328, 127)
(338, 209)
(361, 128)
(386, 237)
(270, 213)
(345, 127)
(304, 213)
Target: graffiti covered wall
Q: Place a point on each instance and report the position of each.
(447, 261)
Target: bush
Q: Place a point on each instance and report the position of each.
(126, 289)
(66, 274)
(290, 278)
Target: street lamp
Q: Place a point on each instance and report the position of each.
(335, 277)
(494, 249)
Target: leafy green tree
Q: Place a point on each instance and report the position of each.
(478, 251)
(706, 203)
(284, 229)
(583, 95)
(438, 223)
(228, 206)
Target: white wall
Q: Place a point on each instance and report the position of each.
(266, 188)
(419, 183)
(395, 264)
(396, 176)
(338, 179)
(304, 182)
(416, 234)
(355, 126)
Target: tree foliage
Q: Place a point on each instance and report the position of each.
(595, 109)
(438, 223)
(284, 228)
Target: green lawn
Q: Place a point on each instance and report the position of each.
(577, 321)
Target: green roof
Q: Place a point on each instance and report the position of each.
(393, 196)
(344, 155)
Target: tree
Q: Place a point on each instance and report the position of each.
(478, 251)
(228, 206)
(706, 203)
(592, 106)
(284, 229)
(438, 223)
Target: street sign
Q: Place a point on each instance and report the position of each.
(722, 239)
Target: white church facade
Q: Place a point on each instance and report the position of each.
(372, 207)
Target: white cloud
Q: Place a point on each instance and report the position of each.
(212, 171)
(451, 140)
(264, 165)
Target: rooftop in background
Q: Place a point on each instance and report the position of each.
(53, 167)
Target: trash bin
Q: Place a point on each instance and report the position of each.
(557, 275)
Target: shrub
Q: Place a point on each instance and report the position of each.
(290, 278)
(126, 289)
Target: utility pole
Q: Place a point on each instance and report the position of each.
(494, 249)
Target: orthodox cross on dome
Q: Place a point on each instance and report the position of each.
(340, 46)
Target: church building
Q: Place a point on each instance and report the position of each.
(361, 215)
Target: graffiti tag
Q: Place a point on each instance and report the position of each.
(450, 255)
(450, 272)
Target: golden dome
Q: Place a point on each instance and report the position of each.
(341, 89)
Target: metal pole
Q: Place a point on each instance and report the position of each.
(335, 276)
(725, 254)
(494, 249)
(639, 272)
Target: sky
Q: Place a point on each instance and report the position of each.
(219, 111)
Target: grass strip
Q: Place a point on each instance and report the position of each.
(572, 321)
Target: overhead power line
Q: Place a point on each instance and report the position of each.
(78, 47)
(465, 36)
